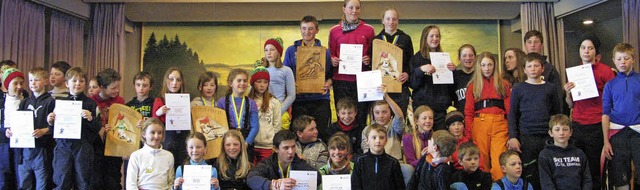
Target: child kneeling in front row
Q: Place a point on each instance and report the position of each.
(437, 174)
(511, 166)
(151, 167)
(470, 177)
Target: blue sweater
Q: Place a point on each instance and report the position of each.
(510, 186)
(253, 118)
(532, 105)
(290, 61)
(620, 99)
(282, 85)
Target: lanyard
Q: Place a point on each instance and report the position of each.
(235, 111)
(205, 102)
(395, 39)
(282, 171)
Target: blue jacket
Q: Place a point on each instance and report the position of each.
(620, 99)
(290, 61)
(510, 186)
(214, 172)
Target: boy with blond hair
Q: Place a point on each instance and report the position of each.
(621, 118)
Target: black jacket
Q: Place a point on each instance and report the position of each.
(42, 105)
(428, 177)
(460, 82)
(232, 183)
(260, 177)
(437, 96)
(355, 135)
(563, 168)
(144, 107)
(477, 180)
(373, 172)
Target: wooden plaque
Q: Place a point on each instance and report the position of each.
(310, 69)
(124, 136)
(388, 59)
(212, 123)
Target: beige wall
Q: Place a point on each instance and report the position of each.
(132, 61)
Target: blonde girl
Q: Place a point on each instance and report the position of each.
(197, 148)
(487, 104)
(282, 82)
(269, 113)
(242, 112)
(151, 167)
(175, 140)
(415, 143)
(208, 86)
(233, 163)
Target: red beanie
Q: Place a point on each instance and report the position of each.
(9, 74)
(259, 73)
(276, 42)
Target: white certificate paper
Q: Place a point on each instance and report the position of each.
(368, 83)
(22, 122)
(582, 77)
(351, 59)
(336, 182)
(196, 177)
(443, 75)
(68, 122)
(179, 114)
(305, 180)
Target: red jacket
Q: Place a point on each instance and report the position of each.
(363, 34)
(488, 92)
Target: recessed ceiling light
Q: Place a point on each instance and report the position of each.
(587, 22)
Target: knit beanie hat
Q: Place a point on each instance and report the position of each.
(259, 72)
(8, 74)
(452, 117)
(276, 42)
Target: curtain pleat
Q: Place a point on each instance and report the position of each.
(66, 39)
(22, 30)
(540, 16)
(631, 25)
(107, 38)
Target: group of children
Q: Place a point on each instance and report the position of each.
(508, 132)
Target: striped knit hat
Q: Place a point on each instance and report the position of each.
(259, 72)
(8, 74)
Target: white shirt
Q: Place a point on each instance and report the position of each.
(11, 104)
(150, 168)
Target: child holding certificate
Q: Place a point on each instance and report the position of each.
(487, 104)
(208, 86)
(151, 167)
(12, 82)
(242, 112)
(233, 164)
(350, 30)
(73, 158)
(197, 148)
(437, 96)
(175, 140)
(35, 163)
(270, 115)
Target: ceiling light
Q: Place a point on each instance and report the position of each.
(587, 22)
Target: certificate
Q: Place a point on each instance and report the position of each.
(196, 177)
(350, 59)
(305, 180)
(179, 114)
(443, 75)
(336, 182)
(582, 77)
(68, 122)
(22, 122)
(368, 83)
